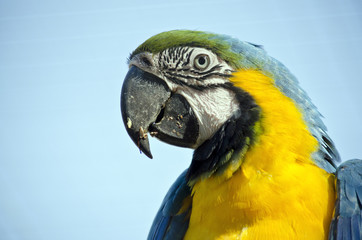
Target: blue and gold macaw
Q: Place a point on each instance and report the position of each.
(263, 166)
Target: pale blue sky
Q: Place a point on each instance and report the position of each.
(67, 167)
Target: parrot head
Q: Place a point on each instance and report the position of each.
(180, 89)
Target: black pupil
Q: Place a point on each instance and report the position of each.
(202, 60)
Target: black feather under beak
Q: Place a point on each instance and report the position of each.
(148, 105)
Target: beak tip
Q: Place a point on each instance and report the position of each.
(144, 147)
(147, 153)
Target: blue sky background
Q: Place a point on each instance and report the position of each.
(67, 167)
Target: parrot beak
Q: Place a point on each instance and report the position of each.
(142, 98)
(148, 106)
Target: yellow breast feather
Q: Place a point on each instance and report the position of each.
(278, 192)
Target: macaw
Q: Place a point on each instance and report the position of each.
(263, 165)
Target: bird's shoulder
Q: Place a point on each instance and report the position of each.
(347, 219)
(172, 219)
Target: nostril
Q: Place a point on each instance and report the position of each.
(146, 61)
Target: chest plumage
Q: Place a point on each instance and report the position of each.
(277, 193)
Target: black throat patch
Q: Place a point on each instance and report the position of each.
(232, 137)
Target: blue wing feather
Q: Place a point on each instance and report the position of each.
(347, 219)
(169, 223)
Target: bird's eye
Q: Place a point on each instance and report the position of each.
(201, 61)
